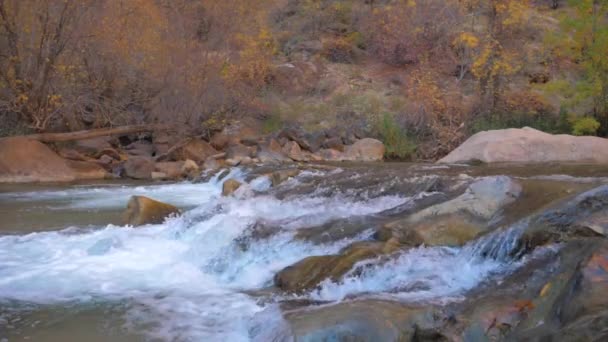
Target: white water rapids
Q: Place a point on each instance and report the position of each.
(188, 280)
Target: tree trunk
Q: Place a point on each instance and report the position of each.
(93, 133)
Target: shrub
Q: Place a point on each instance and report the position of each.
(398, 144)
(585, 126)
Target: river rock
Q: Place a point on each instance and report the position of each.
(271, 151)
(196, 149)
(457, 221)
(366, 320)
(583, 215)
(528, 145)
(139, 168)
(238, 154)
(170, 169)
(308, 141)
(280, 176)
(367, 149)
(143, 210)
(292, 150)
(309, 272)
(230, 186)
(483, 199)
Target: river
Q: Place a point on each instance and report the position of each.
(69, 270)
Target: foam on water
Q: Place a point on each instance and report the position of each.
(429, 273)
(185, 278)
(192, 277)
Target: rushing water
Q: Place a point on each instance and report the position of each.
(191, 279)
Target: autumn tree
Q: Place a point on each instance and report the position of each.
(585, 45)
(34, 36)
(490, 45)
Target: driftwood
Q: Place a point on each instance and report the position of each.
(94, 133)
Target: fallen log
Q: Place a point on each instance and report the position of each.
(99, 132)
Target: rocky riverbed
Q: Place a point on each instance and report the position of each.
(315, 252)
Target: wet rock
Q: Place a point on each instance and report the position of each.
(457, 221)
(280, 176)
(139, 168)
(336, 230)
(483, 198)
(365, 150)
(143, 210)
(577, 217)
(230, 186)
(528, 145)
(446, 230)
(366, 320)
(309, 272)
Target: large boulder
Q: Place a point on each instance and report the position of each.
(24, 160)
(144, 210)
(528, 145)
(367, 149)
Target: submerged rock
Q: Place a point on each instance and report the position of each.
(230, 186)
(143, 210)
(528, 145)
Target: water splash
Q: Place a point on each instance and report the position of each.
(185, 279)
